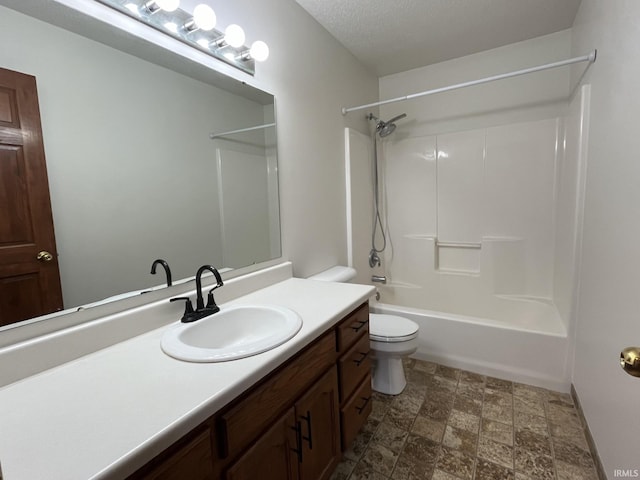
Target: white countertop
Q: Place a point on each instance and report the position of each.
(106, 414)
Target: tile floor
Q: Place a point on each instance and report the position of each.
(451, 424)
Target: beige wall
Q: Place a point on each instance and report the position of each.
(608, 306)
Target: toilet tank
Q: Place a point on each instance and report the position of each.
(335, 274)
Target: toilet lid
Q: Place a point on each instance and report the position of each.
(391, 328)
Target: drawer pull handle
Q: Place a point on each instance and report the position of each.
(298, 449)
(362, 358)
(364, 405)
(307, 417)
(356, 326)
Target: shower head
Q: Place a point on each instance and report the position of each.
(385, 128)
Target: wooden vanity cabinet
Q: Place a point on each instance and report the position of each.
(303, 444)
(354, 368)
(292, 425)
(191, 457)
(273, 456)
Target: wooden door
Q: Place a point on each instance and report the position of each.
(29, 274)
(318, 411)
(273, 456)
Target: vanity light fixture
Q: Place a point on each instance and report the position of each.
(259, 52)
(195, 29)
(167, 5)
(204, 18)
(233, 36)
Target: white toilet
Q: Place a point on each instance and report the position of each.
(391, 339)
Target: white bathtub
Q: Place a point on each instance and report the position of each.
(526, 352)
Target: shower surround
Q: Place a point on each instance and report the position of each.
(483, 232)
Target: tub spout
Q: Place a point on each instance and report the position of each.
(378, 279)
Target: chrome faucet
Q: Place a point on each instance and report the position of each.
(202, 310)
(378, 279)
(165, 265)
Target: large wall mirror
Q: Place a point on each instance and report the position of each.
(133, 171)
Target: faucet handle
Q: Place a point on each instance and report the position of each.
(211, 303)
(188, 307)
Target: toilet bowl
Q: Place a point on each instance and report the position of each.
(391, 338)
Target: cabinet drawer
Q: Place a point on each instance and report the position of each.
(355, 413)
(352, 327)
(247, 419)
(353, 366)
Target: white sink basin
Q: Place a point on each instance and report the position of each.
(234, 332)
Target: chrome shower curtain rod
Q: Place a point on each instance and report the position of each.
(241, 130)
(591, 57)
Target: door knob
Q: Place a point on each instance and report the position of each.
(44, 256)
(630, 360)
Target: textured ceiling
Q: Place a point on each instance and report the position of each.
(390, 36)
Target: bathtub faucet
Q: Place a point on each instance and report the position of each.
(378, 279)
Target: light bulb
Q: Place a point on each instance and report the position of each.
(204, 17)
(259, 51)
(234, 35)
(168, 5)
(172, 27)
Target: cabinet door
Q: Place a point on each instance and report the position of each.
(274, 454)
(189, 458)
(318, 414)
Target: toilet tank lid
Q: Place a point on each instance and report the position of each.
(335, 274)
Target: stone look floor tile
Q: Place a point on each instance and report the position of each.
(530, 406)
(420, 451)
(468, 405)
(440, 475)
(428, 428)
(343, 470)
(499, 384)
(447, 372)
(569, 434)
(495, 452)
(450, 424)
(462, 440)
(498, 398)
(496, 431)
(456, 463)
(426, 367)
(533, 442)
(470, 377)
(563, 416)
(437, 382)
(534, 423)
(567, 471)
(436, 410)
(490, 471)
(361, 441)
(474, 391)
(409, 471)
(522, 390)
(400, 418)
(390, 436)
(464, 421)
(572, 454)
(539, 467)
(365, 472)
(379, 458)
(498, 413)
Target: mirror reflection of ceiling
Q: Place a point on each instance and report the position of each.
(133, 172)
